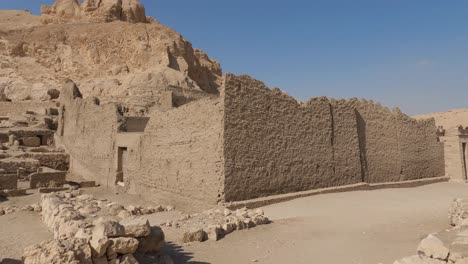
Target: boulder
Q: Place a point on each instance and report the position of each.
(195, 235)
(214, 233)
(153, 242)
(99, 244)
(108, 228)
(229, 227)
(136, 227)
(433, 247)
(122, 245)
(71, 250)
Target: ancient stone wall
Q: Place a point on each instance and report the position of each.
(181, 151)
(44, 179)
(420, 153)
(57, 161)
(19, 108)
(274, 144)
(87, 131)
(8, 181)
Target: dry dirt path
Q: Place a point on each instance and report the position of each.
(367, 227)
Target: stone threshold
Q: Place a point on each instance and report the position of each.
(259, 202)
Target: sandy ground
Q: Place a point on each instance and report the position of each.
(354, 227)
(366, 227)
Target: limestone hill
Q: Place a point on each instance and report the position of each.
(110, 48)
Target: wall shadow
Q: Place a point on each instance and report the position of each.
(361, 129)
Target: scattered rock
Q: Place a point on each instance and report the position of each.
(195, 235)
(136, 227)
(433, 247)
(122, 245)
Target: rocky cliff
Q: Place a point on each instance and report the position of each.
(108, 47)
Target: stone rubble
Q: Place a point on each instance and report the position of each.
(448, 246)
(88, 230)
(216, 223)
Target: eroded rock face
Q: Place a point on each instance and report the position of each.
(94, 44)
(95, 10)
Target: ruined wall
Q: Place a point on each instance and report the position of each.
(87, 131)
(274, 144)
(421, 155)
(54, 160)
(379, 144)
(19, 108)
(181, 152)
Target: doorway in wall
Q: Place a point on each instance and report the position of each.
(465, 156)
(121, 165)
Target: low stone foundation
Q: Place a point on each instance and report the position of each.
(45, 179)
(8, 181)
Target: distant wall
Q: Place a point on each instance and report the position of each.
(87, 131)
(181, 152)
(19, 108)
(380, 147)
(420, 153)
(274, 144)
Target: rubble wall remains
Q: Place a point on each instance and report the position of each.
(20, 108)
(87, 133)
(422, 156)
(181, 151)
(273, 144)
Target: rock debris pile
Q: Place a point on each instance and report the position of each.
(216, 223)
(87, 230)
(448, 246)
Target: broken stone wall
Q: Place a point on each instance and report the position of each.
(181, 152)
(422, 156)
(8, 181)
(88, 137)
(20, 108)
(273, 144)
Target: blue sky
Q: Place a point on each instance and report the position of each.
(409, 54)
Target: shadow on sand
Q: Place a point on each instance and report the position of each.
(176, 252)
(11, 261)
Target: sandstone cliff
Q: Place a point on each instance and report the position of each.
(108, 47)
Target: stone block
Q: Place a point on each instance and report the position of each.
(8, 181)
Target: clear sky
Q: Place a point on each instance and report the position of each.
(412, 54)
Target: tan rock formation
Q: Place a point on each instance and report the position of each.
(115, 59)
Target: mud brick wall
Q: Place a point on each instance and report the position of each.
(380, 146)
(274, 144)
(8, 181)
(87, 132)
(182, 151)
(421, 155)
(346, 148)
